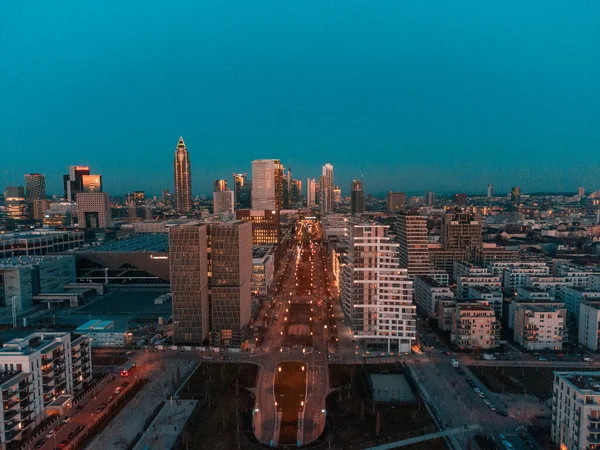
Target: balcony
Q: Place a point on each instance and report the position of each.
(593, 440)
(12, 435)
(10, 404)
(592, 429)
(594, 419)
(7, 394)
(10, 414)
(47, 370)
(9, 425)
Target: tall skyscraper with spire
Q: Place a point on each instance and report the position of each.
(326, 189)
(183, 178)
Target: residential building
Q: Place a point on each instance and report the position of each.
(14, 198)
(527, 303)
(474, 326)
(396, 201)
(183, 178)
(446, 309)
(265, 225)
(376, 292)
(326, 189)
(357, 197)
(267, 184)
(411, 231)
(539, 327)
(589, 324)
(188, 266)
(223, 202)
(93, 210)
(492, 295)
(464, 282)
(575, 423)
(73, 182)
(428, 293)
(574, 296)
(463, 268)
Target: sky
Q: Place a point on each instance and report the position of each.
(416, 96)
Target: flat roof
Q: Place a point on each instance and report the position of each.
(532, 289)
(10, 378)
(486, 289)
(430, 281)
(582, 381)
(261, 251)
(60, 401)
(143, 242)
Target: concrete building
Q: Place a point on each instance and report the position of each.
(376, 292)
(589, 324)
(326, 185)
(446, 308)
(464, 282)
(357, 197)
(576, 410)
(267, 184)
(574, 296)
(102, 333)
(411, 231)
(460, 240)
(429, 198)
(230, 268)
(263, 268)
(60, 215)
(528, 303)
(311, 192)
(14, 199)
(188, 265)
(38, 242)
(265, 225)
(490, 191)
(492, 295)
(474, 326)
(539, 327)
(39, 375)
(460, 199)
(428, 294)
(93, 210)
(39, 208)
(515, 274)
(534, 293)
(223, 202)
(463, 268)
(35, 187)
(396, 201)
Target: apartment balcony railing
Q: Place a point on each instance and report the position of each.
(594, 419)
(11, 404)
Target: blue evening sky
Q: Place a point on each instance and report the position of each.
(418, 95)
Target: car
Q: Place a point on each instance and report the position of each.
(63, 443)
(71, 435)
(39, 444)
(481, 394)
(502, 413)
(50, 434)
(486, 401)
(118, 390)
(66, 419)
(508, 445)
(476, 389)
(79, 428)
(492, 407)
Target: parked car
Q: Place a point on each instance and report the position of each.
(118, 390)
(39, 444)
(66, 419)
(50, 434)
(502, 413)
(79, 429)
(63, 443)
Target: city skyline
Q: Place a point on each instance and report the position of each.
(414, 99)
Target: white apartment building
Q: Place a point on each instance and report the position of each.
(492, 295)
(575, 295)
(263, 268)
(39, 375)
(428, 293)
(474, 326)
(464, 282)
(514, 274)
(539, 327)
(589, 324)
(462, 269)
(376, 293)
(576, 410)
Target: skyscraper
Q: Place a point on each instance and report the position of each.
(223, 202)
(267, 184)
(188, 267)
(337, 196)
(183, 178)
(220, 185)
(242, 191)
(91, 183)
(73, 182)
(515, 198)
(396, 201)
(14, 197)
(429, 198)
(287, 189)
(490, 191)
(357, 197)
(326, 189)
(311, 192)
(581, 191)
(35, 187)
(413, 250)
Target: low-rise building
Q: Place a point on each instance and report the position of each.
(464, 282)
(518, 302)
(262, 270)
(492, 295)
(38, 242)
(576, 410)
(575, 295)
(102, 333)
(539, 327)
(446, 309)
(589, 324)
(463, 268)
(474, 326)
(428, 293)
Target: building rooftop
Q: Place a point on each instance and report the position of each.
(29, 260)
(96, 325)
(144, 242)
(486, 289)
(36, 234)
(430, 281)
(542, 308)
(261, 251)
(473, 306)
(38, 341)
(532, 289)
(582, 381)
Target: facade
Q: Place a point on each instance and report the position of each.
(357, 197)
(60, 215)
(35, 187)
(39, 208)
(376, 292)
(574, 296)
(576, 410)
(102, 333)
(539, 327)
(462, 268)
(396, 201)
(267, 184)
(522, 303)
(242, 191)
(446, 308)
(35, 373)
(490, 191)
(326, 185)
(220, 185)
(31, 243)
(429, 197)
(265, 225)
(223, 202)
(492, 295)
(16, 207)
(93, 210)
(464, 282)
(73, 182)
(413, 250)
(231, 272)
(460, 199)
(188, 266)
(91, 183)
(183, 178)
(589, 324)
(263, 268)
(311, 192)
(474, 326)
(428, 294)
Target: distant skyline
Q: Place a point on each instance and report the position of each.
(418, 96)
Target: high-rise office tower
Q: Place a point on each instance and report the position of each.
(220, 185)
(311, 192)
(287, 188)
(337, 196)
(267, 184)
(396, 201)
(73, 182)
(490, 191)
(460, 199)
(376, 293)
(93, 210)
(326, 189)
(16, 207)
(91, 183)
(183, 179)
(188, 267)
(242, 191)
(265, 225)
(429, 198)
(296, 193)
(230, 283)
(223, 202)
(413, 250)
(581, 191)
(357, 197)
(35, 187)
(515, 198)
